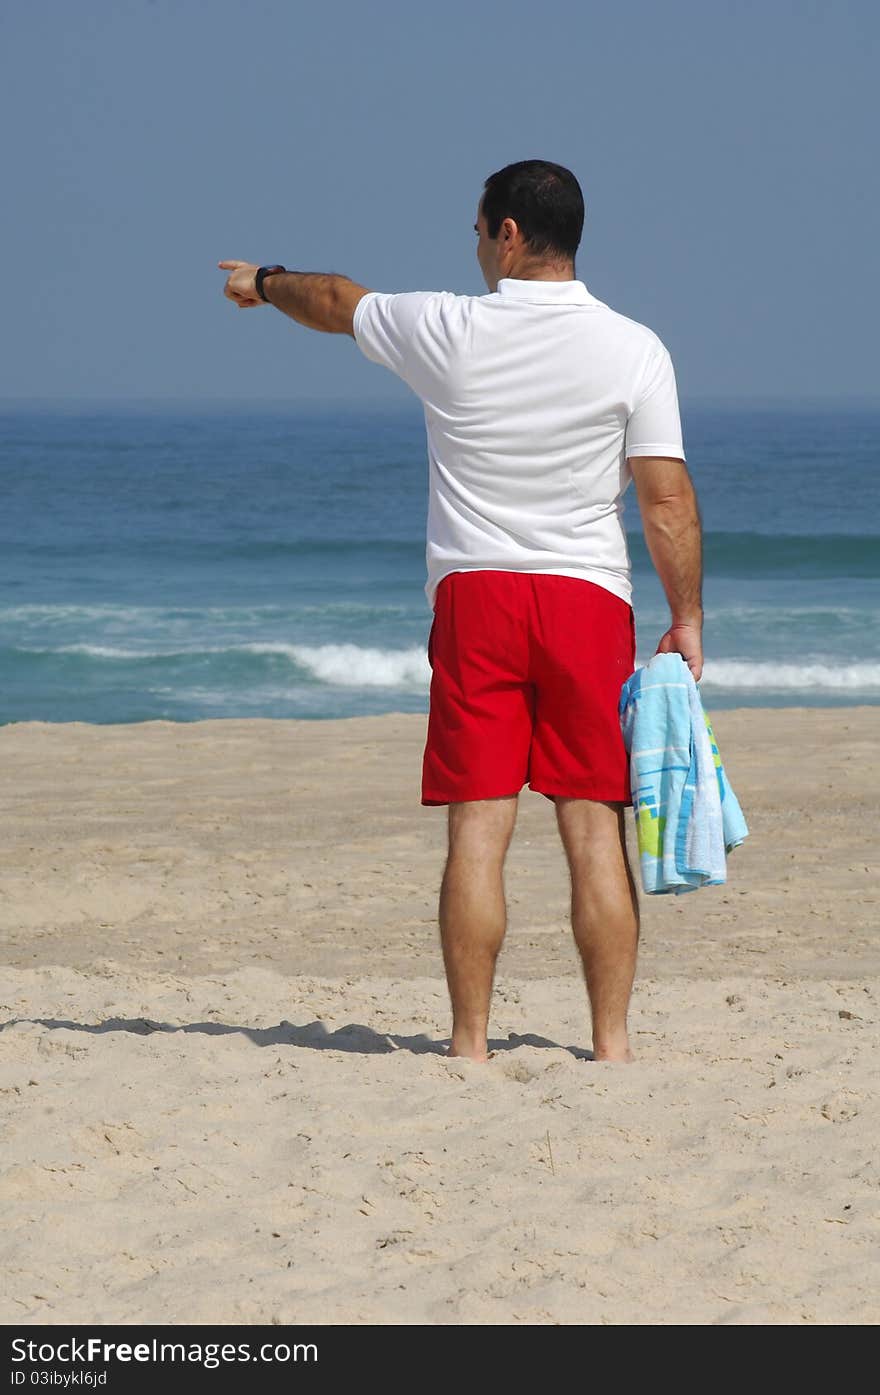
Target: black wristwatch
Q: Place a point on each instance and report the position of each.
(262, 273)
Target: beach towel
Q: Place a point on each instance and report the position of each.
(687, 815)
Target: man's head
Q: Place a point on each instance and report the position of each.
(529, 219)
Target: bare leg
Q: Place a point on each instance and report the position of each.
(604, 915)
(473, 914)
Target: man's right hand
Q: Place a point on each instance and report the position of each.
(686, 640)
(241, 285)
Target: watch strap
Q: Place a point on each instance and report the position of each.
(262, 273)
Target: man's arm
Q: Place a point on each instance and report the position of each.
(671, 520)
(316, 299)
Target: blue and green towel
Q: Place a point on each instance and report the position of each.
(687, 816)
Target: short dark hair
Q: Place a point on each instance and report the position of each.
(545, 202)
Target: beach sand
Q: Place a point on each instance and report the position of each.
(223, 1089)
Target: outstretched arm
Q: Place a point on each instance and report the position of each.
(671, 520)
(316, 299)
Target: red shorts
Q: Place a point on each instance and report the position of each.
(526, 673)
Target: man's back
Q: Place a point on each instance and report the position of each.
(534, 397)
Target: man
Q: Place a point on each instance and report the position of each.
(541, 403)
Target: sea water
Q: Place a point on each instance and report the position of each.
(183, 561)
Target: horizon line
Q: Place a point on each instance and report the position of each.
(707, 400)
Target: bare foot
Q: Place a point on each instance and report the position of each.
(469, 1052)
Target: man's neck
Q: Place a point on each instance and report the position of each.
(552, 272)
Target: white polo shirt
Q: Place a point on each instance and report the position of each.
(534, 397)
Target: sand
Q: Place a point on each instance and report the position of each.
(223, 1089)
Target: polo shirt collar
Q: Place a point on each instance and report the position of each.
(545, 292)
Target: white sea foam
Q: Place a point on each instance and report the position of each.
(98, 651)
(357, 666)
(107, 651)
(342, 665)
(350, 666)
(786, 677)
(63, 613)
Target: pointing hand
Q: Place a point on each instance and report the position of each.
(241, 285)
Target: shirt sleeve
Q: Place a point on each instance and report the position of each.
(387, 327)
(654, 425)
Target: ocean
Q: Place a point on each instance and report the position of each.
(181, 561)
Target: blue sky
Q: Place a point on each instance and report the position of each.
(727, 154)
